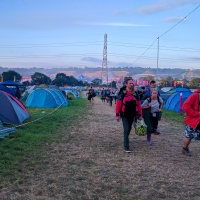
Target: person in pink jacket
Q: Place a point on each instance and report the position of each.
(192, 120)
(128, 107)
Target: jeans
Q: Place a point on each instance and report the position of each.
(127, 125)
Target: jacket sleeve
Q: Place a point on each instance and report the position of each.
(118, 107)
(188, 106)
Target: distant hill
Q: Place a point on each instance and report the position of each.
(91, 73)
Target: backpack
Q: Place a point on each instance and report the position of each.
(107, 92)
(93, 93)
(130, 106)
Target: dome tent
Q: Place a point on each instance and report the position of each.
(75, 93)
(180, 89)
(6, 89)
(27, 92)
(43, 86)
(173, 101)
(46, 98)
(12, 111)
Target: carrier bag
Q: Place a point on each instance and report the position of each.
(140, 128)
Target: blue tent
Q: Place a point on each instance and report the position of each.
(6, 89)
(173, 101)
(181, 89)
(14, 87)
(12, 83)
(46, 98)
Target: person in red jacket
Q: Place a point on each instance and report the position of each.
(192, 120)
(128, 106)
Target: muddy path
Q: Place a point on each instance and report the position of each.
(89, 163)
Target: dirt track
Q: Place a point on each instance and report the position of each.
(89, 163)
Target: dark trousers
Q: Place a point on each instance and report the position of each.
(127, 125)
(154, 122)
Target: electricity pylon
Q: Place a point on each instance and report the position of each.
(104, 72)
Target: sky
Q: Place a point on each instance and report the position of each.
(70, 33)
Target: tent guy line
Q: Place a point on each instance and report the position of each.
(33, 120)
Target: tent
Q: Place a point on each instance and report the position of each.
(46, 98)
(43, 86)
(173, 101)
(14, 87)
(6, 89)
(76, 94)
(12, 83)
(54, 86)
(12, 111)
(173, 90)
(27, 92)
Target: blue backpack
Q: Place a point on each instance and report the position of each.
(107, 92)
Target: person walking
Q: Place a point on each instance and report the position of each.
(103, 97)
(192, 121)
(147, 93)
(127, 107)
(153, 108)
(91, 95)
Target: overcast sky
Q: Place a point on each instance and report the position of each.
(70, 33)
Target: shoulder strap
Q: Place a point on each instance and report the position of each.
(149, 99)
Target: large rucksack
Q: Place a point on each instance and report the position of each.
(130, 106)
(107, 92)
(93, 93)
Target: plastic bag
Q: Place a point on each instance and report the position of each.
(140, 128)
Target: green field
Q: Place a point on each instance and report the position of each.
(27, 143)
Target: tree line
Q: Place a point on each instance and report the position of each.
(38, 78)
(62, 79)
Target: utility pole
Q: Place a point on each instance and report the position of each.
(157, 57)
(104, 72)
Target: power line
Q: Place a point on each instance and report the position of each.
(166, 33)
(179, 21)
(98, 54)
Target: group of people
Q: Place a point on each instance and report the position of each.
(133, 105)
(108, 95)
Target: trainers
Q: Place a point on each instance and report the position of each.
(148, 142)
(186, 152)
(127, 150)
(156, 132)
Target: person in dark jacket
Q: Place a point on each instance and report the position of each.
(128, 106)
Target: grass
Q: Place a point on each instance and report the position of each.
(82, 157)
(173, 116)
(27, 143)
